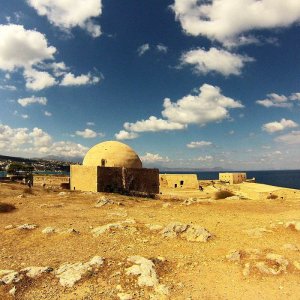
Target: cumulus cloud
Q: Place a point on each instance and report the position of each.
(8, 87)
(292, 138)
(90, 123)
(208, 106)
(295, 97)
(153, 124)
(70, 79)
(47, 113)
(67, 14)
(125, 135)
(17, 141)
(88, 133)
(141, 50)
(38, 80)
(227, 21)
(152, 158)
(275, 100)
(215, 60)
(33, 44)
(279, 126)
(32, 100)
(199, 144)
(204, 158)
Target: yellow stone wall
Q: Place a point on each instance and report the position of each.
(52, 180)
(84, 178)
(179, 181)
(233, 178)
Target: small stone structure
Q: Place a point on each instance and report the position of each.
(113, 167)
(178, 181)
(233, 178)
(50, 180)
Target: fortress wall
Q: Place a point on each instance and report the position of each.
(180, 181)
(52, 180)
(233, 178)
(142, 180)
(109, 179)
(83, 178)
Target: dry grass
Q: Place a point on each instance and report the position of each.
(28, 191)
(6, 207)
(223, 194)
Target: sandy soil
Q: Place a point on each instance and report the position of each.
(191, 270)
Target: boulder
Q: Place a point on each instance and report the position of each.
(234, 255)
(27, 227)
(34, 272)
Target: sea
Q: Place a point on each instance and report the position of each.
(282, 178)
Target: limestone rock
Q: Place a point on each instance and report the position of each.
(13, 291)
(234, 255)
(144, 269)
(62, 194)
(8, 227)
(125, 296)
(69, 274)
(49, 230)
(27, 227)
(154, 227)
(166, 205)
(102, 229)
(103, 201)
(257, 232)
(10, 276)
(193, 233)
(278, 262)
(34, 272)
(246, 270)
(21, 196)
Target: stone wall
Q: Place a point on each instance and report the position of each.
(83, 178)
(50, 180)
(232, 178)
(178, 181)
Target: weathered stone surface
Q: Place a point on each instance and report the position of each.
(27, 227)
(49, 230)
(246, 270)
(34, 272)
(108, 227)
(103, 201)
(144, 268)
(70, 274)
(8, 227)
(13, 291)
(234, 255)
(257, 232)
(21, 196)
(125, 296)
(278, 262)
(193, 233)
(233, 198)
(10, 276)
(62, 194)
(297, 265)
(154, 227)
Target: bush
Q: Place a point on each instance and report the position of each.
(223, 194)
(272, 197)
(6, 207)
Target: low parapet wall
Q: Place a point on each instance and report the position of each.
(51, 180)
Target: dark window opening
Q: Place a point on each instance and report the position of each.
(74, 188)
(175, 185)
(181, 182)
(102, 162)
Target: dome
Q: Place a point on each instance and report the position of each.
(112, 154)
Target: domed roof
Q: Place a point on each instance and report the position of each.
(112, 154)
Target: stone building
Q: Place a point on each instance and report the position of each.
(178, 181)
(232, 178)
(113, 167)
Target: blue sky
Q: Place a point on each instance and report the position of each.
(186, 83)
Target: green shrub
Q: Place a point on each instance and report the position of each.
(6, 207)
(222, 194)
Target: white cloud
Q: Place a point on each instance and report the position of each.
(90, 123)
(208, 106)
(292, 138)
(32, 100)
(70, 79)
(125, 135)
(21, 48)
(231, 132)
(227, 21)
(59, 69)
(215, 60)
(279, 126)
(295, 96)
(205, 158)
(162, 48)
(152, 158)
(17, 141)
(24, 116)
(275, 100)
(47, 113)
(143, 49)
(38, 80)
(88, 133)
(198, 144)
(8, 87)
(67, 14)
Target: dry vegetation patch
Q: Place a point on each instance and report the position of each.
(6, 207)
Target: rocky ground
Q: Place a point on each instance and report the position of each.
(72, 245)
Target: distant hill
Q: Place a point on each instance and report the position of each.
(18, 159)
